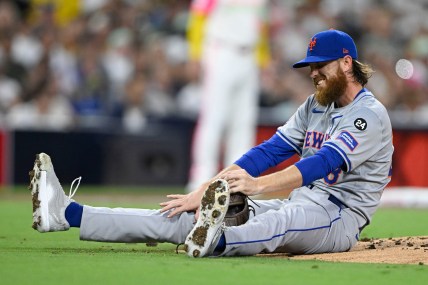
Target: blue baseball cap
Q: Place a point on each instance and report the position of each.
(328, 45)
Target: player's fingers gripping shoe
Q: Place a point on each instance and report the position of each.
(205, 235)
(49, 200)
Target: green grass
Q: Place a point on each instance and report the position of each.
(28, 257)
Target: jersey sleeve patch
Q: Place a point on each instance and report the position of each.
(348, 140)
(360, 124)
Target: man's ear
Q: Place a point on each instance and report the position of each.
(346, 64)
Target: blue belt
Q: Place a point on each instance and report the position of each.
(337, 202)
(332, 199)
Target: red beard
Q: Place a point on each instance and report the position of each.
(334, 88)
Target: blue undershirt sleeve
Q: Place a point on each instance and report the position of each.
(319, 165)
(268, 154)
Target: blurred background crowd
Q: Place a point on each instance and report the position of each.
(104, 63)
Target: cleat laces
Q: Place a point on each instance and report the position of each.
(74, 190)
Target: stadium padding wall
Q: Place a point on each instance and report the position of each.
(4, 154)
(158, 157)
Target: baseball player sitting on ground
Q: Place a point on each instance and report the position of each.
(344, 138)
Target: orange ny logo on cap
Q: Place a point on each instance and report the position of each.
(312, 43)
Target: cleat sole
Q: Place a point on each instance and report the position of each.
(213, 208)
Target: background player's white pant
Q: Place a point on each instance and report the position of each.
(228, 112)
(298, 225)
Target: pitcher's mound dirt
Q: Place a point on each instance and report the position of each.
(404, 250)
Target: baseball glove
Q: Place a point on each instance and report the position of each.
(238, 212)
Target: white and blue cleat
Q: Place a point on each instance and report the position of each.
(49, 199)
(203, 238)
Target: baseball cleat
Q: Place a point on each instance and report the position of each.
(203, 238)
(49, 199)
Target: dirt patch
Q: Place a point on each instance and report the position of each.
(404, 250)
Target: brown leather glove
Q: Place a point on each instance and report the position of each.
(238, 212)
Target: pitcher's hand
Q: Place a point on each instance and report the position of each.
(180, 203)
(240, 181)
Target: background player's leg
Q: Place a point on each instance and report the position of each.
(242, 124)
(213, 116)
(133, 225)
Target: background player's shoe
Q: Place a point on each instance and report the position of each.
(49, 199)
(205, 235)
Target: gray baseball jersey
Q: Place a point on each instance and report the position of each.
(361, 132)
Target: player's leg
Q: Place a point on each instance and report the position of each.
(262, 206)
(54, 211)
(134, 225)
(206, 237)
(299, 228)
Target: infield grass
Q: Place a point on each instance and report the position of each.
(28, 257)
